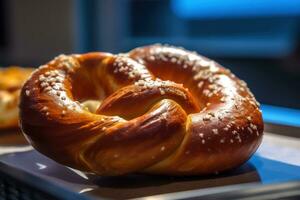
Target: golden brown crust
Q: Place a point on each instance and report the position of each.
(11, 81)
(164, 110)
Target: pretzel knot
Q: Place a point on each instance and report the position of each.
(163, 110)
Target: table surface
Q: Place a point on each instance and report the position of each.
(277, 160)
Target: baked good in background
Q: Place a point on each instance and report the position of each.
(163, 110)
(11, 81)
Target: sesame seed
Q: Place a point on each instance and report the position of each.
(42, 78)
(210, 113)
(203, 141)
(59, 80)
(254, 127)
(257, 103)
(222, 140)
(204, 63)
(173, 60)
(152, 58)
(44, 84)
(201, 135)
(200, 84)
(44, 108)
(179, 61)
(215, 131)
(162, 148)
(103, 128)
(249, 129)
(239, 139)
(162, 92)
(63, 112)
(47, 89)
(52, 83)
(197, 76)
(234, 132)
(211, 87)
(27, 92)
(116, 155)
(231, 141)
(222, 99)
(206, 92)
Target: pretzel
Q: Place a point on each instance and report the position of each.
(163, 110)
(11, 81)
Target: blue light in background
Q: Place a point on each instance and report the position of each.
(281, 115)
(272, 171)
(234, 8)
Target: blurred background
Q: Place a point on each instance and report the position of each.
(258, 40)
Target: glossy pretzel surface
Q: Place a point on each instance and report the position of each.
(164, 110)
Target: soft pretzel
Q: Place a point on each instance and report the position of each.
(164, 110)
(11, 81)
